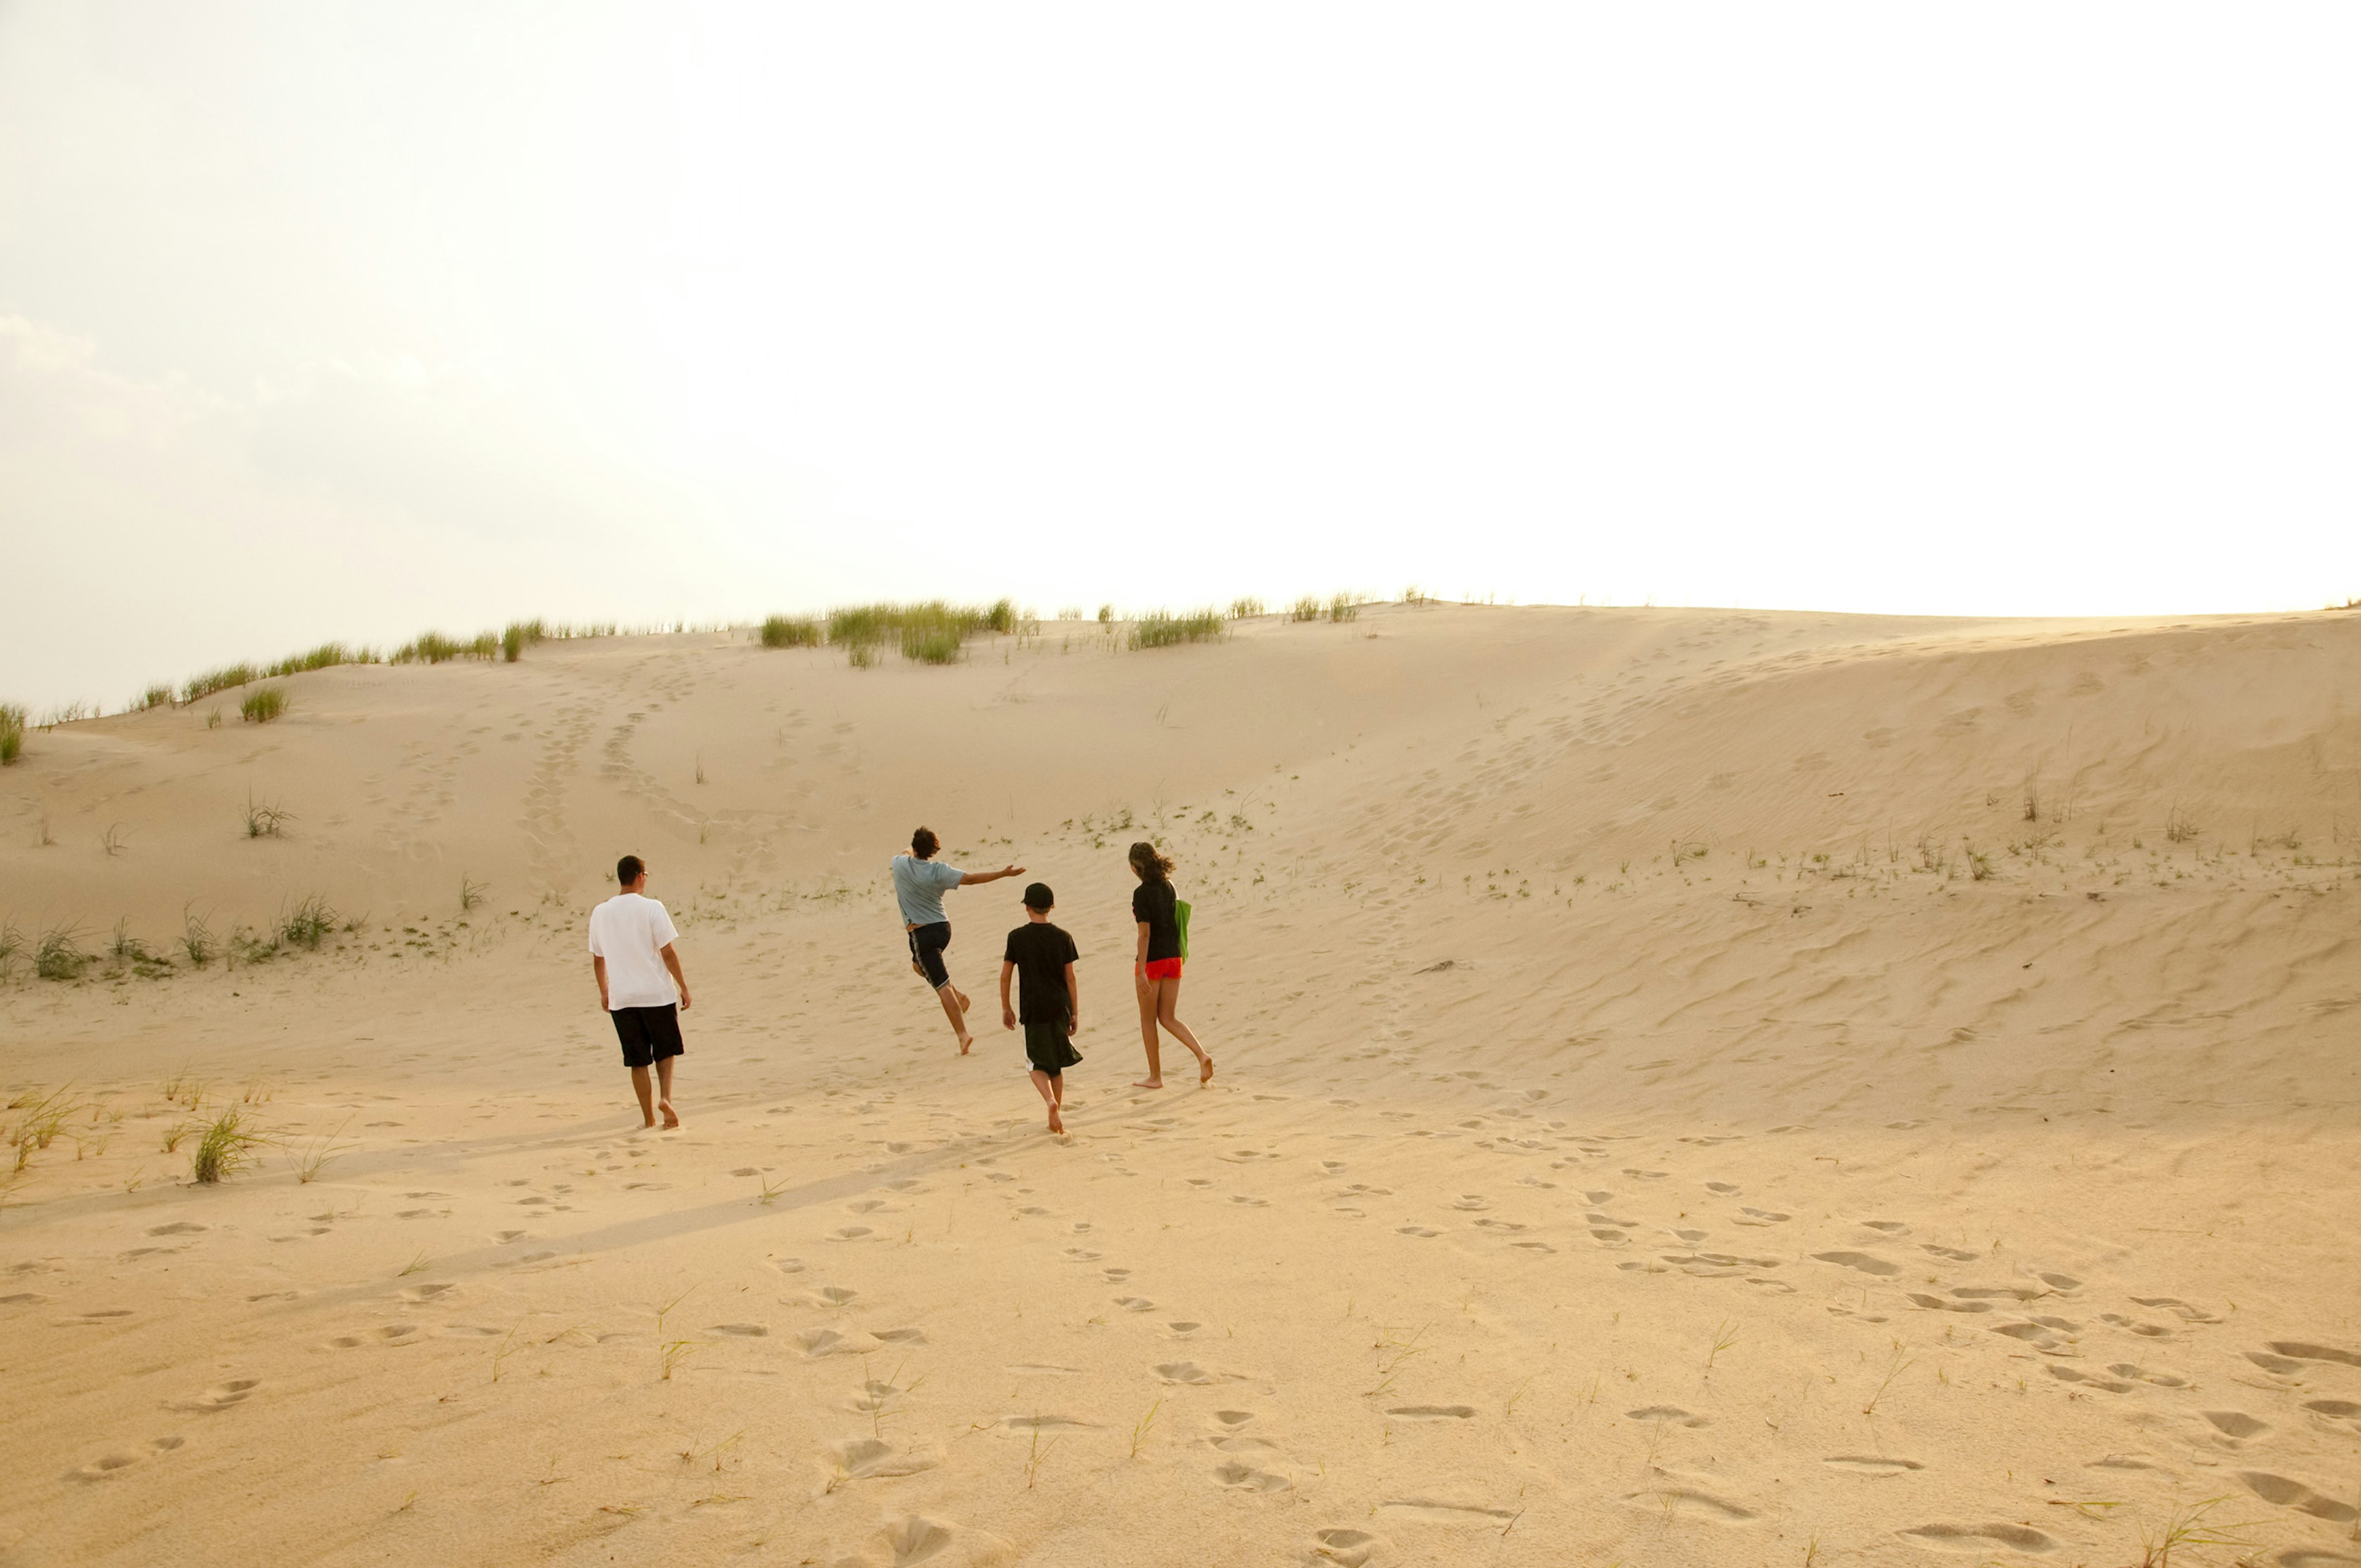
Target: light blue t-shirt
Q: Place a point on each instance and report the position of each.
(919, 887)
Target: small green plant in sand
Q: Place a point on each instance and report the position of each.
(1305, 608)
(471, 892)
(263, 704)
(266, 821)
(2177, 828)
(308, 924)
(1036, 1454)
(59, 955)
(197, 940)
(12, 942)
(12, 733)
(1345, 606)
(1139, 1428)
(1159, 630)
(520, 636)
(1246, 608)
(224, 679)
(226, 1146)
(672, 1352)
(2188, 1529)
(793, 631)
(1723, 1338)
(1894, 1368)
(315, 1153)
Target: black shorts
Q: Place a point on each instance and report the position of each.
(927, 944)
(648, 1033)
(1048, 1047)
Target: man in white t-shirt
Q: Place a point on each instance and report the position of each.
(638, 976)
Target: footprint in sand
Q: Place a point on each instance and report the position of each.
(1038, 1422)
(1937, 1304)
(1472, 1202)
(2292, 1493)
(915, 1538)
(1429, 1510)
(741, 1330)
(1870, 1464)
(1432, 1412)
(2176, 1305)
(850, 1232)
(1535, 1248)
(1185, 1372)
(106, 1466)
(2336, 1410)
(2065, 1374)
(1350, 1547)
(1236, 1476)
(869, 1458)
(1198, 1181)
(2233, 1426)
(1866, 1262)
(418, 1293)
(788, 1265)
(1083, 1255)
(1726, 1189)
(1135, 1303)
(1691, 1503)
(1973, 1538)
(1183, 1330)
(2303, 1350)
(899, 1336)
(220, 1397)
(1417, 1231)
(1952, 1253)
(178, 1228)
(1668, 1415)
(835, 1296)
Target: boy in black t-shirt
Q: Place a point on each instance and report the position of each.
(1041, 956)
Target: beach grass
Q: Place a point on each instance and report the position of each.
(12, 733)
(263, 704)
(58, 954)
(1305, 608)
(221, 680)
(226, 1146)
(307, 924)
(793, 631)
(1246, 608)
(1158, 629)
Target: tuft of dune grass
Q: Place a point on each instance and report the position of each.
(793, 631)
(263, 704)
(12, 733)
(221, 680)
(1158, 629)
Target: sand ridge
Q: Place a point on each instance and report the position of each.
(1697, 1086)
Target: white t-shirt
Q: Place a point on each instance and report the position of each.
(631, 932)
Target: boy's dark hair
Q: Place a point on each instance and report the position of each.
(923, 843)
(1038, 897)
(1150, 865)
(628, 870)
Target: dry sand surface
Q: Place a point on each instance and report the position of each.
(1695, 1087)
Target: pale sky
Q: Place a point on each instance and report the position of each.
(352, 321)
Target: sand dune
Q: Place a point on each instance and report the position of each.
(1697, 1086)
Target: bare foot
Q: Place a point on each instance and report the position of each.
(646, 1124)
(671, 1120)
(1055, 1125)
(964, 1003)
(1205, 1069)
(1150, 1083)
(965, 1041)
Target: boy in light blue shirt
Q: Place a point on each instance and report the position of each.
(920, 882)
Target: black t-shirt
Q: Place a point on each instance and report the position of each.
(1152, 902)
(1040, 952)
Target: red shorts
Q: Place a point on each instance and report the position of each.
(1164, 968)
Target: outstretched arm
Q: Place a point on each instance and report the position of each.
(672, 962)
(967, 877)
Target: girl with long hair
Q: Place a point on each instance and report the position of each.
(1156, 970)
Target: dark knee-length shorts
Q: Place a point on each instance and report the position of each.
(648, 1033)
(927, 944)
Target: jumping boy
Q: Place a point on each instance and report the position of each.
(631, 957)
(1042, 957)
(920, 882)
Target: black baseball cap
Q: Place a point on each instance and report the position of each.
(1038, 897)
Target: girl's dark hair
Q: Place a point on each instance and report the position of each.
(923, 843)
(1150, 865)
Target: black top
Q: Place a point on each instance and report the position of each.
(1040, 952)
(1152, 902)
